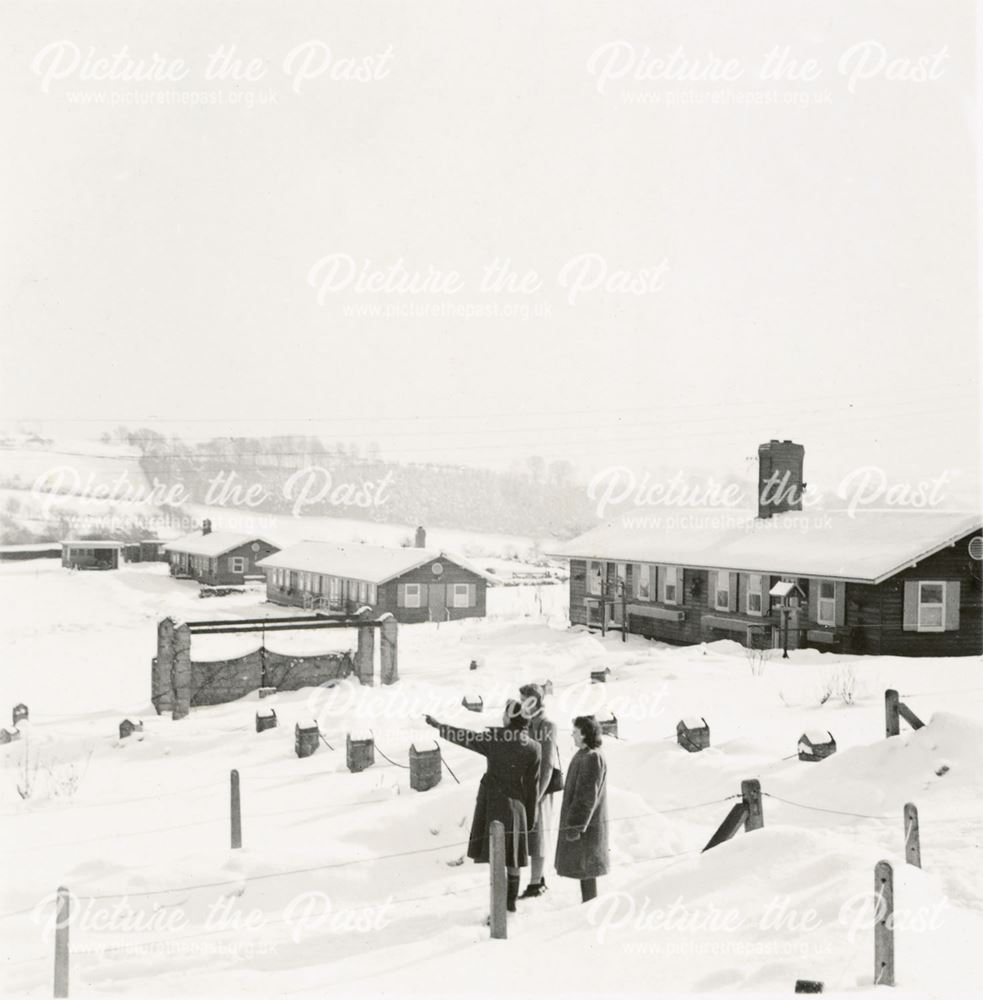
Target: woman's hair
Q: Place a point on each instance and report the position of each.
(590, 729)
(532, 699)
(513, 714)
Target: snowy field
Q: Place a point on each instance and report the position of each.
(351, 883)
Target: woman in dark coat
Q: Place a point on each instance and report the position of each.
(582, 848)
(509, 788)
(544, 732)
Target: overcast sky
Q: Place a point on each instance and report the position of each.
(801, 270)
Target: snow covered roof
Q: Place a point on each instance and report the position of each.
(92, 543)
(861, 546)
(215, 543)
(369, 563)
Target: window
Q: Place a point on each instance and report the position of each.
(462, 596)
(237, 564)
(721, 597)
(826, 603)
(335, 588)
(621, 584)
(931, 607)
(373, 594)
(643, 582)
(411, 595)
(595, 578)
(363, 592)
(755, 602)
(671, 590)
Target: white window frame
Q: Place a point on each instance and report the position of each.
(412, 595)
(931, 604)
(673, 579)
(595, 589)
(718, 590)
(461, 596)
(643, 573)
(755, 592)
(829, 616)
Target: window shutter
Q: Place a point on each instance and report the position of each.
(952, 606)
(401, 595)
(654, 583)
(744, 585)
(449, 597)
(909, 623)
(732, 591)
(839, 591)
(472, 595)
(711, 588)
(813, 599)
(659, 573)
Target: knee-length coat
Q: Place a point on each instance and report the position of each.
(584, 811)
(509, 789)
(544, 732)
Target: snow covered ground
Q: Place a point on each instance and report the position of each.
(352, 883)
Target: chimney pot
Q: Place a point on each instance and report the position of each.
(780, 477)
(421, 538)
(206, 527)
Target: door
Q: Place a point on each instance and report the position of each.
(437, 600)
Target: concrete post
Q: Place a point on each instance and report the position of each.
(181, 672)
(161, 690)
(496, 858)
(365, 655)
(388, 651)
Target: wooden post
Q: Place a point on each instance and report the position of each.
(731, 824)
(236, 812)
(62, 920)
(912, 840)
(751, 793)
(624, 613)
(892, 723)
(884, 926)
(496, 857)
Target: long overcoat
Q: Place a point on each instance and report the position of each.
(584, 811)
(509, 789)
(544, 732)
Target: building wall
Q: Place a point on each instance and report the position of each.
(88, 557)
(387, 594)
(872, 615)
(218, 569)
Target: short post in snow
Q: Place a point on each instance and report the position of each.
(236, 813)
(892, 723)
(496, 857)
(912, 838)
(62, 920)
(884, 925)
(751, 794)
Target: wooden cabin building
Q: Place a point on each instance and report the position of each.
(412, 584)
(217, 558)
(902, 582)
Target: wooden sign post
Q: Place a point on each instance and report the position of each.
(62, 920)
(496, 858)
(236, 813)
(912, 837)
(884, 926)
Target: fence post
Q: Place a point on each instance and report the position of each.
(884, 927)
(751, 793)
(62, 920)
(891, 723)
(496, 857)
(236, 813)
(912, 838)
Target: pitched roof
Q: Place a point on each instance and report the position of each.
(371, 563)
(865, 546)
(215, 543)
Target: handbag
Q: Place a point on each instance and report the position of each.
(556, 778)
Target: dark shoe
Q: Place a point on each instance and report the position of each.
(534, 889)
(512, 893)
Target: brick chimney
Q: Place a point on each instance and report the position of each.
(421, 538)
(780, 483)
(206, 527)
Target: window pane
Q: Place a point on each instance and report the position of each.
(827, 589)
(931, 593)
(931, 615)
